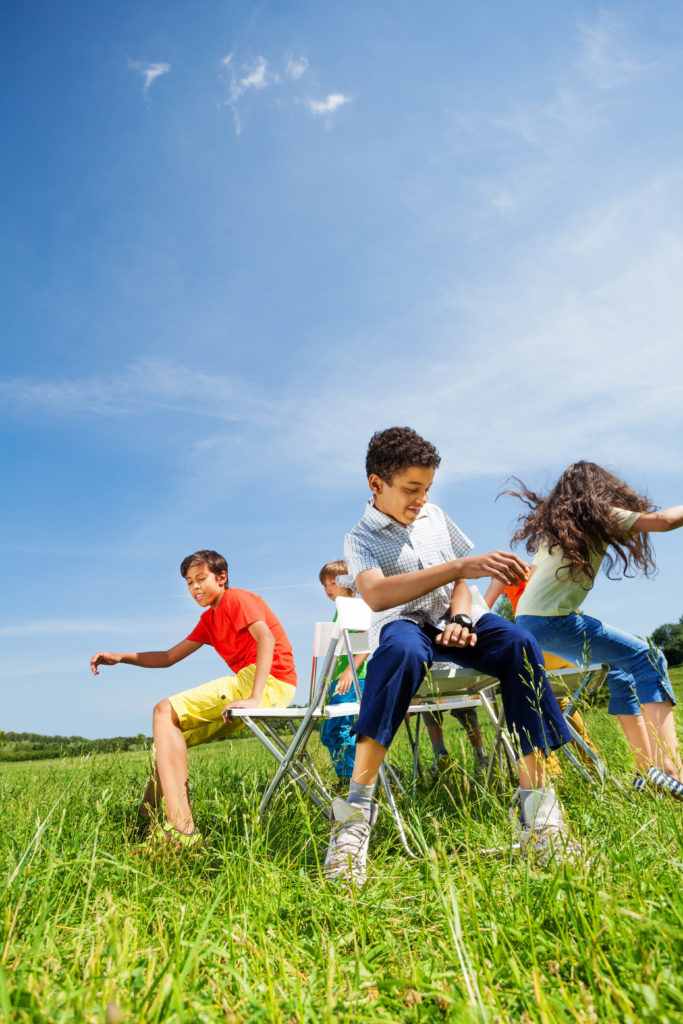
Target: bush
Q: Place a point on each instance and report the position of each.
(669, 638)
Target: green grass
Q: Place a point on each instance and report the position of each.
(245, 930)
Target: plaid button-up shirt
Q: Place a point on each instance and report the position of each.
(378, 542)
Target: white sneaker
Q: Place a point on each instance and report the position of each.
(348, 850)
(541, 827)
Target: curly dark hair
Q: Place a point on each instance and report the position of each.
(577, 515)
(215, 562)
(397, 448)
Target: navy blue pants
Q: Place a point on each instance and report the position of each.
(397, 668)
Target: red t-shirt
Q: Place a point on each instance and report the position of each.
(225, 629)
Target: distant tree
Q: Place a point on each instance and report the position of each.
(669, 638)
(503, 608)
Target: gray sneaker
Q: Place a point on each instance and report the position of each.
(542, 830)
(348, 850)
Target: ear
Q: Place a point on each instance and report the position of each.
(221, 578)
(375, 483)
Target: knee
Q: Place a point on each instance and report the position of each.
(410, 653)
(163, 713)
(525, 653)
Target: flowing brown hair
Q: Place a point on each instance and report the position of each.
(577, 515)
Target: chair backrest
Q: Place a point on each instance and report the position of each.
(322, 638)
(332, 639)
(353, 613)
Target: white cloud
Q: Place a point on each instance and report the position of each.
(328, 105)
(296, 67)
(606, 57)
(257, 76)
(144, 387)
(150, 72)
(251, 76)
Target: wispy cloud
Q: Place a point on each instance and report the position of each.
(256, 75)
(608, 58)
(328, 105)
(575, 351)
(150, 72)
(144, 387)
(296, 67)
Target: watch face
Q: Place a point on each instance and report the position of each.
(462, 620)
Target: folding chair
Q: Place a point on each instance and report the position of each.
(438, 692)
(292, 757)
(348, 635)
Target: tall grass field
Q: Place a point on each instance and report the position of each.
(244, 929)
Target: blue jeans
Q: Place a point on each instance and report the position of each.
(638, 675)
(335, 733)
(397, 668)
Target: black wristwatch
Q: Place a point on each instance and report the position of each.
(463, 620)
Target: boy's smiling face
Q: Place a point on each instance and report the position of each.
(205, 587)
(403, 498)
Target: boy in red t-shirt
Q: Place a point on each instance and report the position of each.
(243, 630)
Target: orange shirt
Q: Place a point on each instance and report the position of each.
(514, 592)
(226, 630)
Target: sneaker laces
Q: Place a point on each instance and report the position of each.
(348, 839)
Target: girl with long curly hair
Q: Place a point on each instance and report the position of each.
(591, 518)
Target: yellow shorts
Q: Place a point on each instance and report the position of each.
(200, 709)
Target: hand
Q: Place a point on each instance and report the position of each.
(343, 683)
(247, 702)
(500, 565)
(103, 658)
(455, 635)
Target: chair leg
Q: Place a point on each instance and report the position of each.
(501, 740)
(304, 759)
(600, 766)
(398, 821)
(289, 764)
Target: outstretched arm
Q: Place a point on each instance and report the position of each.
(265, 645)
(493, 592)
(382, 592)
(145, 659)
(659, 522)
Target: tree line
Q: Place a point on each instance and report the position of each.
(32, 746)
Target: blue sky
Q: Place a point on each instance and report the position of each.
(239, 238)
